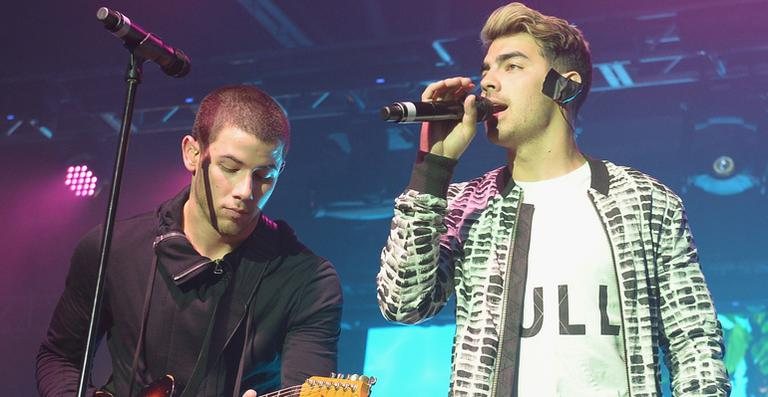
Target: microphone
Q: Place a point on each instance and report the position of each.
(414, 112)
(145, 45)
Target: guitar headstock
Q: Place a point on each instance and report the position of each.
(337, 385)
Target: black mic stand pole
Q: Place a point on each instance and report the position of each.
(132, 79)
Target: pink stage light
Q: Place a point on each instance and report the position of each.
(81, 181)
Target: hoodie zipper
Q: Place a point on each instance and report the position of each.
(166, 236)
(218, 269)
(189, 270)
(176, 277)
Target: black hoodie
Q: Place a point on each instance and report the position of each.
(197, 313)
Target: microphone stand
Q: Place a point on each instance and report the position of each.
(132, 79)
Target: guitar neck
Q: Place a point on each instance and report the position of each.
(317, 386)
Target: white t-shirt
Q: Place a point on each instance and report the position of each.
(572, 342)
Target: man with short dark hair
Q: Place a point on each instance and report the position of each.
(569, 272)
(206, 288)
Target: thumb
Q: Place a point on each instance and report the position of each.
(249, 393)
(470, 111)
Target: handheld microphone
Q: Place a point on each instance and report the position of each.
(145, 45)
(415, 112)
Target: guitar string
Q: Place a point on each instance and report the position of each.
(279, 393)
(289, 391)
(311, 393)
(298, 392)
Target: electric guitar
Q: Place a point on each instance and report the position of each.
(337, 385)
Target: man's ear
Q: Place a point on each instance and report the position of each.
(562, 88)
(573, 76)
(190, 152)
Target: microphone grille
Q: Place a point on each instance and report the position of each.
(102, 13)
(111, 19)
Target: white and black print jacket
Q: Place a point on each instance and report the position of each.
(471, 238)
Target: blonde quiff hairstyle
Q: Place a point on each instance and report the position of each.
(562, 44)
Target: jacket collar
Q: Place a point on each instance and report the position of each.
(600, 179)
(174, 251)
(184, 264)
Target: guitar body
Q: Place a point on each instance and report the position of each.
(163, 387)
(316, 386)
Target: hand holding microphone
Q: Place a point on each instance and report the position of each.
(417, 112)
(452, 115)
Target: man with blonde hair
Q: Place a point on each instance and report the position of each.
(569, 272)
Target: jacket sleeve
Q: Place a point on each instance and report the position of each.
(691, 329)
(417, 263)
(62, 350)
(311, 341)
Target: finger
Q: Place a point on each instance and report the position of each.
(249, 393)
(470, 110)
(436, 90)
(447, 89)
(456, 87)
(463, 90)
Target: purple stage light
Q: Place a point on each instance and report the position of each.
(81, 181)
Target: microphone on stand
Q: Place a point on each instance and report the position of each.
(145, 45)
(415, 112)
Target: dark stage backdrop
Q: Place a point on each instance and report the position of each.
(677, 85)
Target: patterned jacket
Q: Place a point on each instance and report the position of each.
(471, 238)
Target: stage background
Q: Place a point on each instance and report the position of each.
(677, 85)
